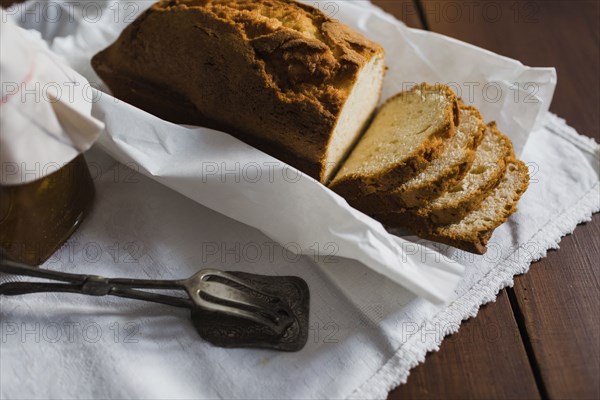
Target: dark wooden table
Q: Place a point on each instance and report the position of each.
(540, 339)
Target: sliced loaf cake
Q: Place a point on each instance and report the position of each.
(303, 87)
(406, 134)
(481, 204)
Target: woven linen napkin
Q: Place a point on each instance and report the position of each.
(366, 333)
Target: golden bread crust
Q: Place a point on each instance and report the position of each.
(272, 72)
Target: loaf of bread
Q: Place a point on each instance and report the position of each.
(278, 74)
(302, 87)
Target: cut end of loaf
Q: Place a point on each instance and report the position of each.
(355, 114)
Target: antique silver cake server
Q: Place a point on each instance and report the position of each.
(228, 309)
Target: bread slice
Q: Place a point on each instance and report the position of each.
(473, 232)
(279, 75)
(405, 135)
(442, 173)
(485, 173)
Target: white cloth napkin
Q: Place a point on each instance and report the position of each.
(366, 332)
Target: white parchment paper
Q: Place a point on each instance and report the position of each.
(45, 116)
(236, 180)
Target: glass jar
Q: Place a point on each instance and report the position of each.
(37, 218)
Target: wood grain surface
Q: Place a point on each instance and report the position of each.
(549, 345)
(559, 303)
(486, 359)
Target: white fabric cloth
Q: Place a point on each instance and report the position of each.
(366, 333)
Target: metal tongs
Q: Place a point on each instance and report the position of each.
(229, 309)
